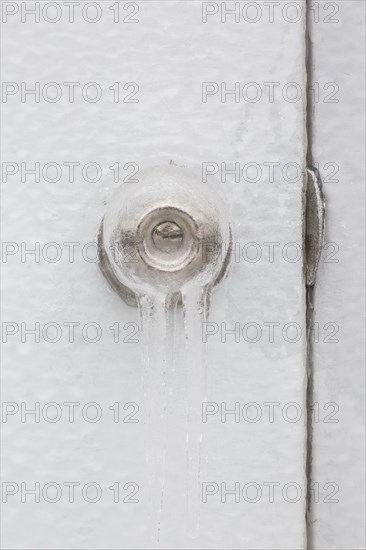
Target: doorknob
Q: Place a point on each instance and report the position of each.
(168, 232)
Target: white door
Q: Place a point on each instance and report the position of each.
(109, 441)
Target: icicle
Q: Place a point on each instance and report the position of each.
(195, 304)
(158, 326)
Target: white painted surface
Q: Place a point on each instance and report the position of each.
(339, 139)
(169, 53)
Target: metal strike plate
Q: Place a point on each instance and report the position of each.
(314, 224)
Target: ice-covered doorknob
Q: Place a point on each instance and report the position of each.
(164, 240)
(163, 234)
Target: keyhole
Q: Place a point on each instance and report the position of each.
(168, 237)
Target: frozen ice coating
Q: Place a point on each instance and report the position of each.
(169, 205)
(167, 241)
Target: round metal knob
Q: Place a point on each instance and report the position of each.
(166, 232)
